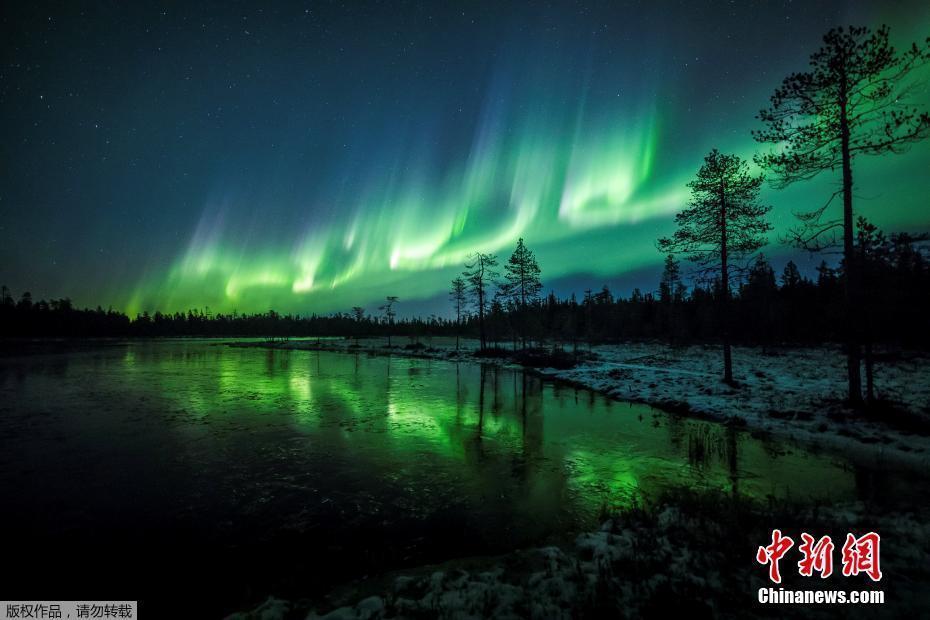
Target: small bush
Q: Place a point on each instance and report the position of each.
(494, 352)
(545, 358)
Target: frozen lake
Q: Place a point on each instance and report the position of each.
(182, 468)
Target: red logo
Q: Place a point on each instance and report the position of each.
(860, 555)
(817, 556)
(773, 553)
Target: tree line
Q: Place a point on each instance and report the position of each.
(852, 101)
(766, 308)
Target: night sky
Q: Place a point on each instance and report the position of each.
(316, 156)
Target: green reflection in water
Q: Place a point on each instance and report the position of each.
(484, 438)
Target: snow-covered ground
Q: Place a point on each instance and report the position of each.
(680, 556)
(795, 393)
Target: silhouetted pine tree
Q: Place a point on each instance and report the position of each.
(722, 223)
(359, 313)
(760, 297)
(872, 261)
(388, 309)
(852, 101)
(480, 276)
(521, 284)
(458, 296)
(790, 275)
(671, 294)
(588, 317)
(671, 287)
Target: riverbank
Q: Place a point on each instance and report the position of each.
(689, 551)
(792, 393)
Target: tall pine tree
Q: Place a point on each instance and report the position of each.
(852, 101)
(481, 277)
(722, 223)
(458, 297)
(522, 284)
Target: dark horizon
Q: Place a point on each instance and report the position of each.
(646, 280)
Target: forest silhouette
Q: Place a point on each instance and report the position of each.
(852, 101)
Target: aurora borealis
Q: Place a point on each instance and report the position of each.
(315, 156)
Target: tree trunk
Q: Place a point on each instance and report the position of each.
(869, 373)
(853, 356)
(481, 400)
(481, 319)
(725, 283)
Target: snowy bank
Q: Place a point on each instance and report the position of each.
(691, 553)
(794, 393)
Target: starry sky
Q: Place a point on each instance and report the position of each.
(315, 156)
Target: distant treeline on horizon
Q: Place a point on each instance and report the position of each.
(765, 308)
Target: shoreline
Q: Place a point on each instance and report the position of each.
(648, 560)
(611, 569)
(779, 394)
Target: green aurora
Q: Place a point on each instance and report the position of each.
(592, 203)
(321, 160)
(410, 235)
